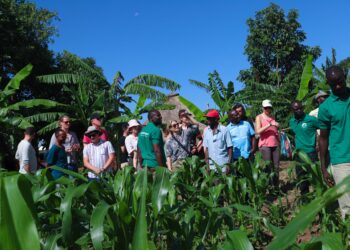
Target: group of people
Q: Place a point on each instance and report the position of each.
(324, 134)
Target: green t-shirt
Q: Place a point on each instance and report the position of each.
(305, 132)
(149, 136)
(334, 115)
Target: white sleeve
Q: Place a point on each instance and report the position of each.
(110, 148)
(128, 144)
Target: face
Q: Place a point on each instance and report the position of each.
(184, 119)
(174, 127)
(321, 99)
(240, 112)
(298, 109)
(94, 137)
(65, 123)
(212, 122)
(61, 138)
(268, 110)
(337, 84)
(156, 118)
(234, 117)
(96, 122)
(135, 130)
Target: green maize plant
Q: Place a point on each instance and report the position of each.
(190, 208)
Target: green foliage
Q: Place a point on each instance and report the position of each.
(305, 79)
(190, 208)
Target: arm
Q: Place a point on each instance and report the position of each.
(323, 155)
(135, 159)
(169, 163)
(89, 166)
(254, 144)
(258, 128)
(109, 162)
(206, 155)
(158, 153)
(228, 165)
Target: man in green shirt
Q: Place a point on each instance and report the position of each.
(150, 143)
(304, 127)
(334, 117)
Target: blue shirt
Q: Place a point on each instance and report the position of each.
(241, 134)
(217, 145)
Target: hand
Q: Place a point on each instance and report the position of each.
(69, 150)
(328, 179)
(97, 171)
(228, 168)
(194, 150)
(274, 123)
(75, 147)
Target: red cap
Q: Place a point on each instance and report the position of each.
(213, 114)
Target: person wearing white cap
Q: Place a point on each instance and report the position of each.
(131, 141)
(319, 99)
(267, 127)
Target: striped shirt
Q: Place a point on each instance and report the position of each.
(98, 154)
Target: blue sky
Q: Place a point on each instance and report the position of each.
(184, 39)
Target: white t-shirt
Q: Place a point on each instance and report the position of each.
(26, 155)
(131, 143)
(98, 154)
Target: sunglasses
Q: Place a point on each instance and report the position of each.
(66, 122)
(92, 135)
(175, 125)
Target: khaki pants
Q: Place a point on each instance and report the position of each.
(340, 171)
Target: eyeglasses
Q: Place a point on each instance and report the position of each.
(66, 122)
(175, 125)
(92, 135)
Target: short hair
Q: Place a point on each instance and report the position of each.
(296, 101)
(238, 105)
(334, 72)
(62, 117)
(29, 131)
(57, 131)
(150, 114)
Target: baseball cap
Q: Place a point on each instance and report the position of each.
(320, 94)
(267, 103)
(213, 114)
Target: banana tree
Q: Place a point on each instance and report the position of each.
(15, 115)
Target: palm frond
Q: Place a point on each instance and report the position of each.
(15, 82)
(34, 103)
(16, 121)
(48, 128)
(120, 119)
(156, 106)
(145, 91)
(59, 78)
(154, 80)
(305, 78)
(48, 117)
(201, 85)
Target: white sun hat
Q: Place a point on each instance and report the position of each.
(133, 123)
(267, 103)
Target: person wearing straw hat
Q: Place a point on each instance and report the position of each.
(99, 155)
(267, 128)
(96, 121)
(131, 142)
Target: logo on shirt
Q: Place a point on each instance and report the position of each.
(304, 125)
